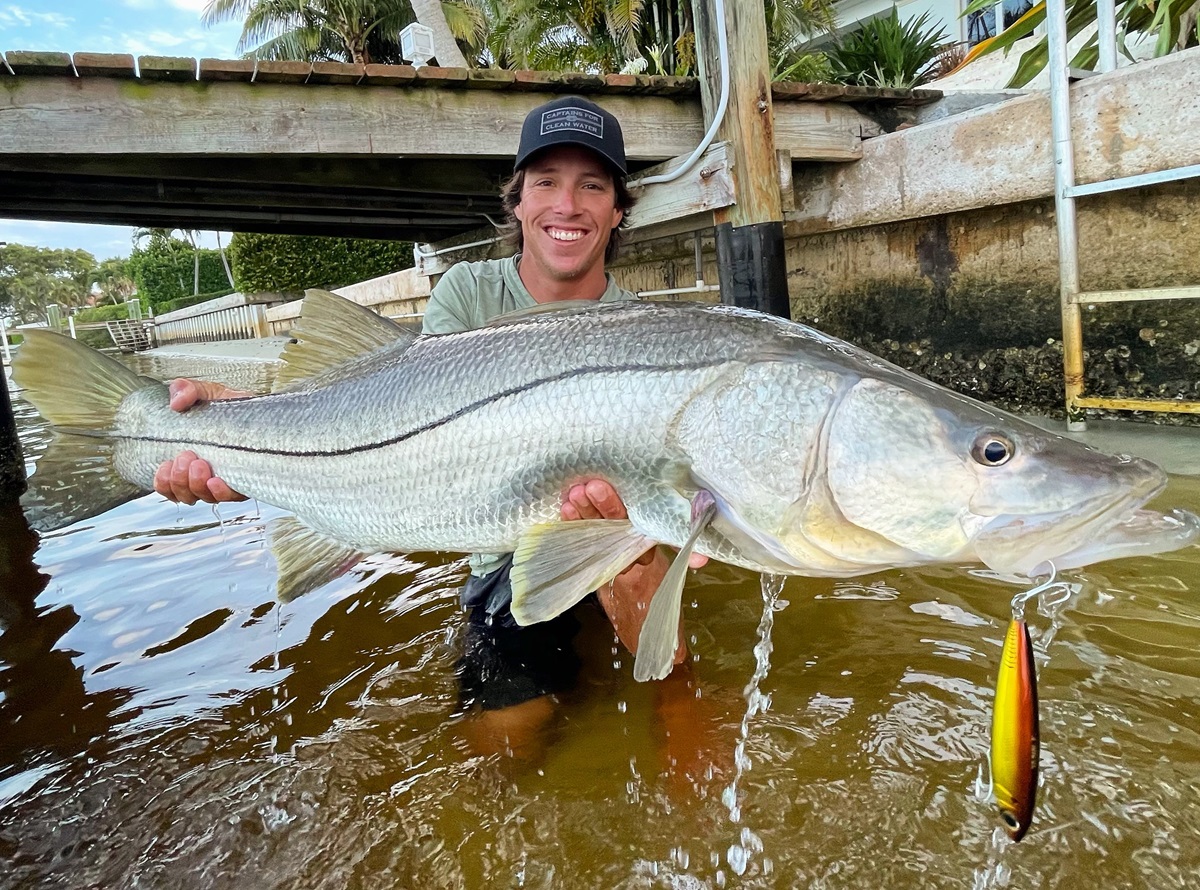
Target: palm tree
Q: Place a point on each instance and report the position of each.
(359, 31)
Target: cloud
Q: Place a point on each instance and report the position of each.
(12, 16)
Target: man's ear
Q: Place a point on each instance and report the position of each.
(618, 215)
(519, 213)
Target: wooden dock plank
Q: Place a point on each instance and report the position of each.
(390, 75)
(489, 78)
(226, 69)
(39, 64)
(282, 72)
(270, 119)
(173, 69)
(442, 78)
(104, 65)
(336, 72)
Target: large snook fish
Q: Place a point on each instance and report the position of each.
(746, 438)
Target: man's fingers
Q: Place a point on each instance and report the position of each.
(184, 393)
(179, 478)
(222, 492)
(605, 500)
(578, 505)
(697, 561)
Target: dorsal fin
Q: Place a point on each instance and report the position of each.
(560, 306)
(333, 330)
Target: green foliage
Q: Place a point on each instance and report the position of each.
(808, 68)
(1173, 25)
(886, 52)
(164, 268)
(32, 278)
(114, 280)
(291, 263)
(107, 312)
(362, 31)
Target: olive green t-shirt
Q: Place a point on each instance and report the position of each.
(468, 296)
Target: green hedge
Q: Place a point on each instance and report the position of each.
(291, 263)
(164, 272)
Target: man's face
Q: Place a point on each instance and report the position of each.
(567, 213)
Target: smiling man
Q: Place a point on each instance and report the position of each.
(565, 204)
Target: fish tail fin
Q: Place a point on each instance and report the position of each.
(71, 385)
(78, 390)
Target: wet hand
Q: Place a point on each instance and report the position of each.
(189, 478)
(596, 499)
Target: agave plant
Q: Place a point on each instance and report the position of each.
(886, 52)
(1171, 23)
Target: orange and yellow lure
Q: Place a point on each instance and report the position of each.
(1015, 732)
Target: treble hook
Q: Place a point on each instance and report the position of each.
(1062, 593)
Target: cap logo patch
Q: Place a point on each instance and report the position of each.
(580, 120)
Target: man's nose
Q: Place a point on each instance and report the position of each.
(565, 201)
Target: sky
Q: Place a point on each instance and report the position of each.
(138, 27)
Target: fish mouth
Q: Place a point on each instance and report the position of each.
(1107, 528)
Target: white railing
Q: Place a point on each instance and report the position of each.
(233, 317)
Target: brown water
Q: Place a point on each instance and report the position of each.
(164, 723)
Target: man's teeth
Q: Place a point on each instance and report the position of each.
(560, 235)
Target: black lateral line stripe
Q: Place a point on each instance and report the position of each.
(461, 412)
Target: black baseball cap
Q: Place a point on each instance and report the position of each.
(572, 120)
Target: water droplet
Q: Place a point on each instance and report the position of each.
(622, 706)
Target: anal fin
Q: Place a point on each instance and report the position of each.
(660, 633)
(307, 559)
(557, 564)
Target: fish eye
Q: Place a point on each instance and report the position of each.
(1010, 820)
(992, 450)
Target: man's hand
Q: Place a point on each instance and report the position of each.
(626, 600)
(188, 478)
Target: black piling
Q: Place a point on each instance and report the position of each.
(12, 462)
(753, 271)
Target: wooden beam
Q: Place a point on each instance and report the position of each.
(40, 64)
(104, 65)
(176, 69)
(228, 119)
(707, 186)
(822, 131)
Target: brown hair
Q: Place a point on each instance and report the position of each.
(510, 197)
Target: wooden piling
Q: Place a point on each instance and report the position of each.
(12, 461)
(749, 233)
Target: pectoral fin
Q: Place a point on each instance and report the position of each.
(557, 564)
(660, 633)
(306, 558)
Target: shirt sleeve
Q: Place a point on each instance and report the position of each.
(447, 311)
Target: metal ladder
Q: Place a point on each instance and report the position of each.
(1065, 193)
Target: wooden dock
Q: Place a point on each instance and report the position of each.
(386, 151)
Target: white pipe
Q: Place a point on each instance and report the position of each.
(700, 288)
(1106, 34)
(4, 341)
(454, 247)
(71, 325)
(722, 104)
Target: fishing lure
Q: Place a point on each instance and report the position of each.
(1015, 740)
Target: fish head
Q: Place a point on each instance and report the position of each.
(952, 480)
